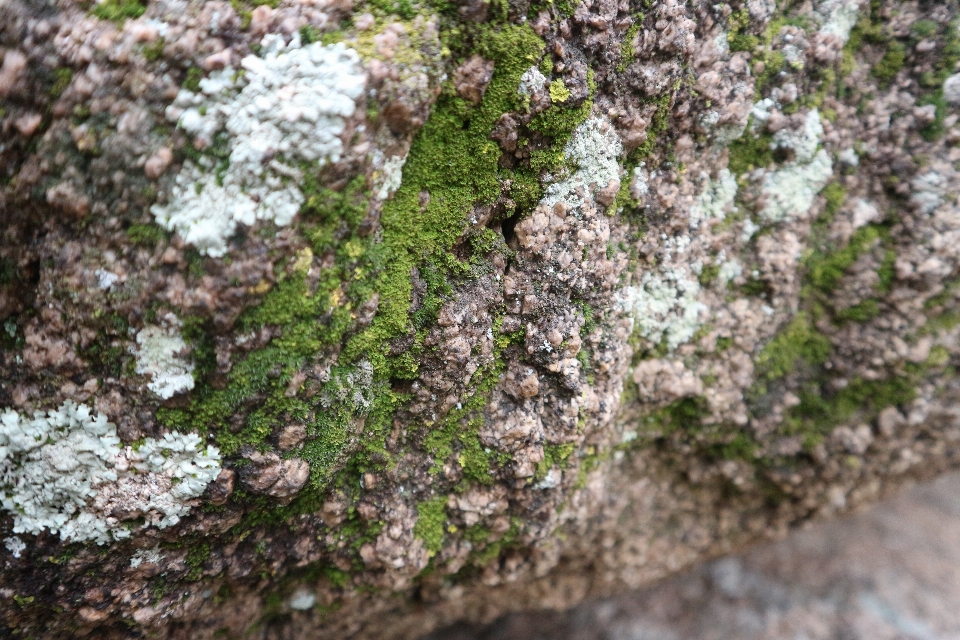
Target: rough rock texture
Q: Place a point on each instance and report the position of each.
(887, 574)
(481, 304)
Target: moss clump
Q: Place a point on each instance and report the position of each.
(798, 342)
(738, 36)
(119, 10)
(197, 556)
(685, 414)
(890, 65)
(404, 9)
(924, 28)
(627, 54)
(826, 268)
(835, 195)
(431, 522)
(750, 151)
(820, 410)
(559, 91)
(313, 320)
(192, 81)
(861, 312)
(62, 78)
(453, 160)
(309, 34)
(146, 235)
(154, 50)
(553, 456)
(708, 274)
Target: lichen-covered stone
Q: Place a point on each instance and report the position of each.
(456, 308)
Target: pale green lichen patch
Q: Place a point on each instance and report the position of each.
(287, 108)
(67, 472)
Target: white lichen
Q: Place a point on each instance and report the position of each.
(665, 308)
(14, 545)
(302, 600)
(864, 213)
(392, 176)
(286, 108)
(640, 184)
(841, 16)
(729, 269)
(805, 142)
(150, 556)
(715, 199)
(761, 111)
(66, 472)
(749, 228)
(158, 355)
(789, 191)
(106, 279)
(849, 157)
(928, 191)
(353, 388)
(951, 89)
(594, 149)
(531, 82)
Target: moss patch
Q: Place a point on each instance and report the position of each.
(431, 522)
(796, 343)
(750, 151)
(821, 410)
(118, 10)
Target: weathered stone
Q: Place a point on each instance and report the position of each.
(506, 305)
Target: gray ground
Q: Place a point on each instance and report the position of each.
(892, 572)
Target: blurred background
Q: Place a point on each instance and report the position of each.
(888, 573)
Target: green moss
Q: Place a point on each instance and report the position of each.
(861, 312)
(431, 523)
(627, 54)
(798, 342)
(750, 151)
(553, 456)
(405, 9)
(192, 81)
(309, 34)
(685, 414)
(890, 65)
(835, 195)
(924, 28)
(559, 91)
(257, 384)
(197, 556)
(24, 602)
(146, 235)
(708, 274)
(738, 36)
(452, 160)
(826, 268)
(821, 410)
(118, 10)
(741, 447)
(154, 50)
(62, 78)
(566, 8)
(773, 64)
